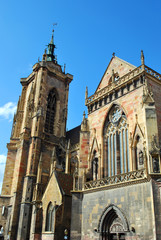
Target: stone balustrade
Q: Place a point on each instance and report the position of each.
(111, 86)
(152, 73)
(115, 180)
(122, 80)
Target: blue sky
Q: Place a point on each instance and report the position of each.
(86, 35)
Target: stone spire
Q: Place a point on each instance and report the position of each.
(84, 124)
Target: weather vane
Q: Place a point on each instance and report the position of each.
(54, 24)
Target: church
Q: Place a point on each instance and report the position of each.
(102, 179)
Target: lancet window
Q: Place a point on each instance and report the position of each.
(50, 112)
(116, 145)
(50, 218)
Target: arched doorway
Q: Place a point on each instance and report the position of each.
(113, 224)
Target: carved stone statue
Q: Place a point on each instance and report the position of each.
(155, 165)
(95, 168)
(141, 159)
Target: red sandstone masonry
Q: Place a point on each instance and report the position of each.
(119, 66)
(130, 103)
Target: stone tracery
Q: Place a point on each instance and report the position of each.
(116, 153)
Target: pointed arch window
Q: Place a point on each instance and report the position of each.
(50, 218)
(50, 112)
(116, 145)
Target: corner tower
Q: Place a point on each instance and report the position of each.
(38, 137)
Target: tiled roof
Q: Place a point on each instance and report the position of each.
(73, 135)
(65, 182)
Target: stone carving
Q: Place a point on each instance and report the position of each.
(117, 179)
(116, 228)
(155, 153)
(141, 158)
(154, 144)
(74, 165)
(95, 168)
(116, 115)
(155, 165)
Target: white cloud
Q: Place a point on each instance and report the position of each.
(2, 167)
(7, 111)
(2, 159)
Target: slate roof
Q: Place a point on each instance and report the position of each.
(73, 135)
(65, 182)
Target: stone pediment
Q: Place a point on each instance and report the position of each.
(117, 66)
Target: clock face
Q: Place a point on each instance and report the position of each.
(116, 115)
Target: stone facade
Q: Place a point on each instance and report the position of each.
(100, 180)
(120, 154)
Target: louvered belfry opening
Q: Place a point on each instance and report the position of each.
(50, 112)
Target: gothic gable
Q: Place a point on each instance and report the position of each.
(117, 67)
(137, 132)
(53, 191)
(94, 146)
(59, 184)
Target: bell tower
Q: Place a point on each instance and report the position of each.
(39, 129)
